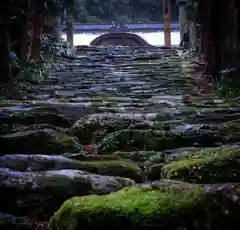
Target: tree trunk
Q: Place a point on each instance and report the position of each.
(27, 35)
(52, 26)
(204, 19)
(37, 27)
(5, 59)
(220, 34)
(215, 38)
(209, 43)
(56, 32)
(230, 42)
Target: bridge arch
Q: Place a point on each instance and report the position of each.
(119, 38)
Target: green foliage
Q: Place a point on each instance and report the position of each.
(59, 48)
(34, 72)
(121, 11)
(228, 86)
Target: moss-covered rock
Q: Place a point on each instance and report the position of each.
(172, 205)
(122, 168)
(214, 165)
(40, 194)
(95, 128)
(159, 140)
(135, 140)
(115, 168)
(39, 139)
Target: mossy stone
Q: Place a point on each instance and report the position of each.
(172, 206)
(88, 130)
(136, 140)
(213, 165)
(122, 168)
(39, 139)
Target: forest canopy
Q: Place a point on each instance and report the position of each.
(122, 11)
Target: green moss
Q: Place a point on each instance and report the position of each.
(214, 165)
(173, 206)
(114, 168)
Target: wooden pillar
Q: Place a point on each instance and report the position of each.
(167, 22)
(69, 27)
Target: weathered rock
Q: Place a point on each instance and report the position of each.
(42, 139)
(167, 205)
(214, 165)
(108, 167)
(39, 194)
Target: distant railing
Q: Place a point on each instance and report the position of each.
(133, 26)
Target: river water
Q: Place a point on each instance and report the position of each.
(156, 38)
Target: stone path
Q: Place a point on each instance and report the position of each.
(142, 103)
(143, 83)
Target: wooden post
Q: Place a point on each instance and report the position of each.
(69, 27)
(167, 23)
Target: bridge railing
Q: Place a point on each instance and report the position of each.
(78, 26)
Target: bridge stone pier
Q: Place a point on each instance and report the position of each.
(119, 38)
